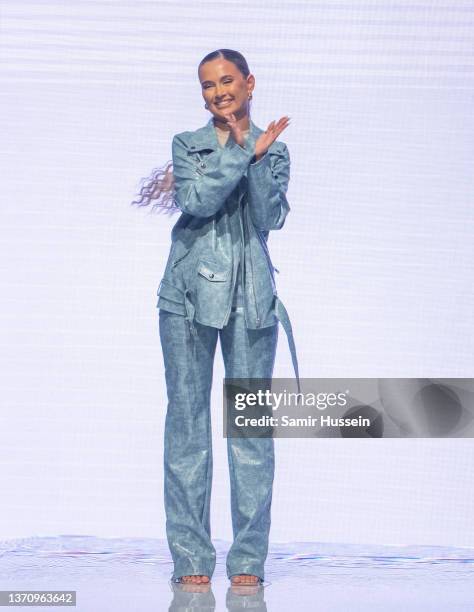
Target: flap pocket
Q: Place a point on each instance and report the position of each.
(212, 272)
(170, 292)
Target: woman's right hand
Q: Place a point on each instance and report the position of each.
(270, 135)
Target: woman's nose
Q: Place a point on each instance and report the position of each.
(219, 93)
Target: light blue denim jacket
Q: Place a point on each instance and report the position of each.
(229, 203)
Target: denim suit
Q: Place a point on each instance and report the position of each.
(229, 203)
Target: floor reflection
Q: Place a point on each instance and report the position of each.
(135, 574)
(200, 598)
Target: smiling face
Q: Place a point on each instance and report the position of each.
(225, 89)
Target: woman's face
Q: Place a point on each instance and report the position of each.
(225, 89)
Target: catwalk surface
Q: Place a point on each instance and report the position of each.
(133, 574)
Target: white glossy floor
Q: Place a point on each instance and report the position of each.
(133, 574)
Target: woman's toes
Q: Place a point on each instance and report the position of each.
(244, 579)
(195, 579)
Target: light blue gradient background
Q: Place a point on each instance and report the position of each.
(376, 257)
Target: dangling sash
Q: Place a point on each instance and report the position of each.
(282, 315)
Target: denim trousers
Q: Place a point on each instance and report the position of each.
(188, 360)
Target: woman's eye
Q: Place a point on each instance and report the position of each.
(225, 83)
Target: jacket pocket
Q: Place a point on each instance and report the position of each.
(212, 292)
(210, 272)
(169, 292)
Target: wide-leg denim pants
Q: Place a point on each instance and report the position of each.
(247, 353)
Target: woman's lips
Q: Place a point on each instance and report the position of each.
(223, 103)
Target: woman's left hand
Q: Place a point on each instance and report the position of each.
(270, 135)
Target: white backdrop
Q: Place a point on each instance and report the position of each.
(376, 256)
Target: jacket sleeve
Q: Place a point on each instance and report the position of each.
(200, 189)
(267, 186)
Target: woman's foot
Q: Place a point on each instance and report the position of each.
(201, 579)
(244, 579)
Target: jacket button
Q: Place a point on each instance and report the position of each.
(258, 321)
(203, 165)
(211, 275)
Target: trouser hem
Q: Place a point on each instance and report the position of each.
(177, 575)
(251, 571)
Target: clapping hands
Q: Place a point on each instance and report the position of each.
(265, 139)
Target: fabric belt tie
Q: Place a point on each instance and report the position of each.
(190, 318)
(282, 315)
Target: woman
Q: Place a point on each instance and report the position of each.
(229, 180)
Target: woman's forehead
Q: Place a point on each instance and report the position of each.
(217, 69)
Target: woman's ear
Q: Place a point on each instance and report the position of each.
(250, 83)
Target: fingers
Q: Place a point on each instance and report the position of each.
(282, 124)
(277, 128)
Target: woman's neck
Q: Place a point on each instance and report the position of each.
(244, 124)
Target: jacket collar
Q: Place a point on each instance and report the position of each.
(206, 137)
